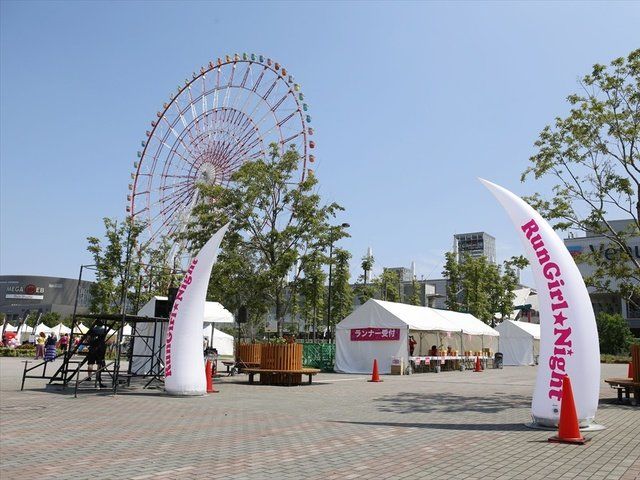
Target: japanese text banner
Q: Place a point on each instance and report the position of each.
(372, 334)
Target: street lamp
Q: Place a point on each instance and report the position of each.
(331, 240)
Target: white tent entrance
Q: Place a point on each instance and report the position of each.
(380, 330)
(222, 342)
(519, 342)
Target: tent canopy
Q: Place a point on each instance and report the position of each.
(42, 328)
(60, 329)
(356, 355)
(467, 323)
(400, 315)
(214, 312)
(519, 342)
(80, 328)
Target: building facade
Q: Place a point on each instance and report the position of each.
(476, 244)
(21, 295)
(605, 301)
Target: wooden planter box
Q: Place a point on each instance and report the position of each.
(281, 357)
(249, 353)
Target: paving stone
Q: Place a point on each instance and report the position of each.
(452, 424)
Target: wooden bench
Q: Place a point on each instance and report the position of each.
(288, 374)
(228, 364)
(627, 385)
(239, 366)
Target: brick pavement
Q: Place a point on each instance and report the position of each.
(451, 425)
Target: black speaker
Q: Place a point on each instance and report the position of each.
(162, 309)
(242, 314)
(171, 294)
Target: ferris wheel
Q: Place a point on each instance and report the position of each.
(227, 113)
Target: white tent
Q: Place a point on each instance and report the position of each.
(519, 342)
(219, 340)
(126, 330)
(357, 345)
(25, 332)
(470, 333)
(80, 329)
(10, 328)
(214, 312)
(42, 328)
(60, 330)
(24, 328)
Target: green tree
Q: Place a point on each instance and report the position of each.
(363, 290)
(162, 271)
(614, 334)
(495, 285)
(481, 288)
(454, 281)
(475, 280)
(509, 281)
(276, 222)
(592, 157)
(32, 319)
(50, 319)
(341, 292)
(367, 265)
(387, 284)
(312, 291)
(415, 298)
(113, 276)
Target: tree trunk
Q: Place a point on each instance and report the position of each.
(279, 313)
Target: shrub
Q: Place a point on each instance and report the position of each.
(615, 359)
(615, 335)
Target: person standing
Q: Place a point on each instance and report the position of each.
(412, 345)
(40, 341)
(50, 348)
(64, 342)
(97, 351)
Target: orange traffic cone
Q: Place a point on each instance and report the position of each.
(375, 376)
(568, 427)
(208, 369)
(478, 365)
(630, 371)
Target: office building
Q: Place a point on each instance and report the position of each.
(476, 244)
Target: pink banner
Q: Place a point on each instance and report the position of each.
(374, 334)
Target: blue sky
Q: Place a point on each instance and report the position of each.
(411, 102)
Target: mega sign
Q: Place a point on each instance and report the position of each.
(372, 334)
(30, 292)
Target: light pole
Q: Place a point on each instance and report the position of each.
(331, 240)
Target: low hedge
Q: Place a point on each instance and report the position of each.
(606, 358)
(21, 351)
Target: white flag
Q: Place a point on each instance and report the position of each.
(568, 334)
(184, 360)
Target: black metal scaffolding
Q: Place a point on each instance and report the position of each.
(147, 331)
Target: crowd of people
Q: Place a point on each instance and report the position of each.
(47, 345)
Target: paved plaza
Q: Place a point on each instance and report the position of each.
(451, 425)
